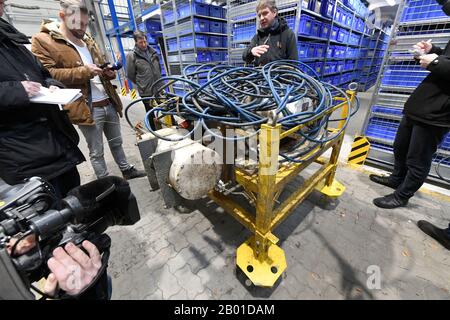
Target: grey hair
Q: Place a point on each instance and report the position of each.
(73, 5)
(271, 4)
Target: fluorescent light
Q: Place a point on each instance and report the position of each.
(391, 2)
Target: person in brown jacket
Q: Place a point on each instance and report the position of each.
(73, 58)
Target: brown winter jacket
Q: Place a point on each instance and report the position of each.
(65, 64)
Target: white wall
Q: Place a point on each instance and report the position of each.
(26, 20)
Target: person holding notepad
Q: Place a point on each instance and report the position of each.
(36, 139)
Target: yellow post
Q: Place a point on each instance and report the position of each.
(259, 257)
(331, 187)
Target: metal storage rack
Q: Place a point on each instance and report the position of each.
(120, 19)
(330, 34)
(193, 32)
(416, 20)
(372, 58)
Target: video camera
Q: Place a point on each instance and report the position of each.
(32, 209)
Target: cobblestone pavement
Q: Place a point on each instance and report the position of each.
(329, 246)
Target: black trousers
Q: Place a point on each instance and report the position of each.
(414, 146)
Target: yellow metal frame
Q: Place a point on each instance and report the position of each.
(259, 257)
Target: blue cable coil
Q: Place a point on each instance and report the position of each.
(240, 97)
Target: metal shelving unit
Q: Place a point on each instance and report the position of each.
(373, 58)
(315, 48)
(416, 20)
(193, 32)
(120, 19)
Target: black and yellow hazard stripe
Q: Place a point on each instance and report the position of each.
(133, 94)
(124, 91)
(360, 150)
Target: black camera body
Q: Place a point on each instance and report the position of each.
(32, 209)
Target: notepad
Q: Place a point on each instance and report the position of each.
(59, 96)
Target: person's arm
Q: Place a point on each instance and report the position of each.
(247, 55)
(68, 76)
(48, 80)
(442, 68)
(13, 95)
(131, 68)
(436, 49)
(291, 45)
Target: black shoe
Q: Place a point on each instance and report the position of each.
(384, 180)
(390, 202)
(133, 173)
(440, 235)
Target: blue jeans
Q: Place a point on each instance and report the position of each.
(106, 121)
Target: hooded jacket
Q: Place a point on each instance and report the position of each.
(63, 61)
(282, 44)
(143, 70)
(35, 139)
(430, 102)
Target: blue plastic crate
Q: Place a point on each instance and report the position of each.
(152, 25)
(340, 66)
(302, 48)
(201, 25)
(168, 17)
(318, 66)
(187, 42)
(184, 9)
(330, 51)
(311, 50)
(217, 12)
(342, 35)
(327, 8)
(316, 28)
(215, 26)
(216, 56)
(224, 28)
(152, 39)
(172, 45)
(325, 30)
(224, 42)
(320, 50)
(334, 33)
(338, 14)
(215, 41)
(203, 56)
(290, 20)
(305, 24)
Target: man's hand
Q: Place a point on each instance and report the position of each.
(53, 88)
(424, 46)
(32, 88)
(25, 245)
(72, 269)
(96, 71)
(425, 60)
(260, 50)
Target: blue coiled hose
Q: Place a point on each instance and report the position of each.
(238, 97)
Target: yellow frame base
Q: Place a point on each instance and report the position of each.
(336, 189)
(261, 272)
(259, 254)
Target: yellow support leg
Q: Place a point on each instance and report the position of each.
(259, 257)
